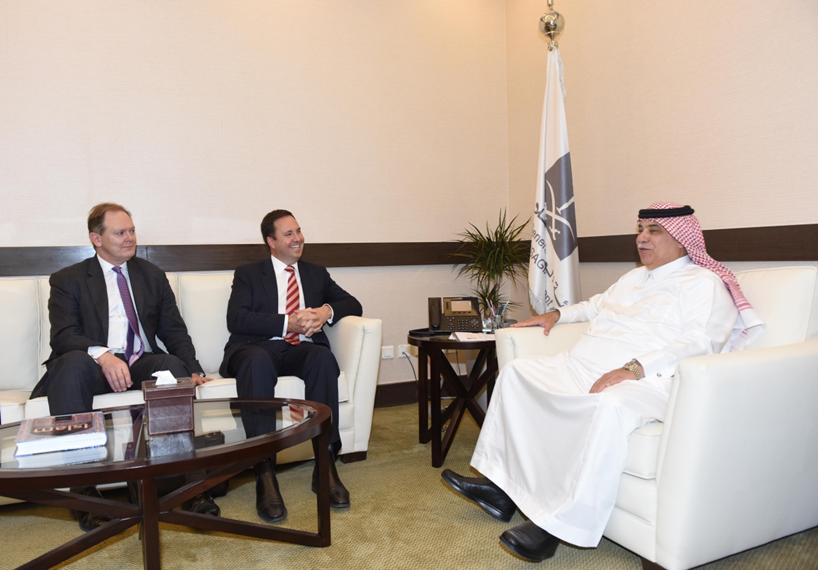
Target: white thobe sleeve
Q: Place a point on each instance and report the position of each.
(586, 310)
(709, 314)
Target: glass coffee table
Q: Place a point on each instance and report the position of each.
(230, 435)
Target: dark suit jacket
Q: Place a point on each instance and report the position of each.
(252, 312)
(78, 311)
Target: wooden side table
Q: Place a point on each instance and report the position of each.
(432, 366)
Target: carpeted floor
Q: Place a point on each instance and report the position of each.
(402, 516)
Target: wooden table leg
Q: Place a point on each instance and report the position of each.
(322, 465)
(150, 525)
(423, 396)
(464, 398)
(437, 423)
(479, 379)
(435, 368)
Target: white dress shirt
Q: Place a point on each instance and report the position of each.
(282, 279)
(117, 318)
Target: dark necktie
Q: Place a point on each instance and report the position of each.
(130, 312)
(293, 303)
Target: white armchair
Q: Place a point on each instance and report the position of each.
(356, 344)
(735, 463)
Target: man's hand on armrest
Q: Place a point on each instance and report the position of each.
(546, 321)
(199, 378)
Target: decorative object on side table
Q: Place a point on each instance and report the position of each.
(488, 259)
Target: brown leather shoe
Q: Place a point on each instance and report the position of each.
(269, 503)
(88, 521)
(530, 542)
(203, 504)
(482, 491)
(338, 494)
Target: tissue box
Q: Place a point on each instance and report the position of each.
(170, 444)
(169, 408)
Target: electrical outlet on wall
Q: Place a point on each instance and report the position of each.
(403, 351)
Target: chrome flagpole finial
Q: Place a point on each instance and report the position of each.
(551, 24)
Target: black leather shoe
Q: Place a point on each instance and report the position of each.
(89, 521)
(269, 504)
(530, 542)
(338, 494)
(482, 491)
(203, 504)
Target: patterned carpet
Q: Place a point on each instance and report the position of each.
(402, 516)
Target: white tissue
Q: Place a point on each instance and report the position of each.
(164, 378)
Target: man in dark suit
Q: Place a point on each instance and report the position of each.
(276, 314)
(106, 314)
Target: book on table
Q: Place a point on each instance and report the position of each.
(70, 457)
(60, 433)
(470, 336)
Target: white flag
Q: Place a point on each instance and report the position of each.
(553, 273)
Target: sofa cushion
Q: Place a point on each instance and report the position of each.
(778, 296)
(202, 299)
(20, 335)
(287, 387)
(643, 451)
(12, 405)
(38, 407)
(44, 292)
(638, 498)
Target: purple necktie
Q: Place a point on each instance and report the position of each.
(130, 312)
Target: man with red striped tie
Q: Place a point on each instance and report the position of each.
(276, 314)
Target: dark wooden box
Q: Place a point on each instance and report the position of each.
(171, 444)
(169, 408)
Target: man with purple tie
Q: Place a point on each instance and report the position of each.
(107, 313)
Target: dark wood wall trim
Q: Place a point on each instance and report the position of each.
(47, 260)
(781, 243)
(397, 394)
(776, 243)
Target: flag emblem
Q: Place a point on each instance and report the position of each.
(553, 272)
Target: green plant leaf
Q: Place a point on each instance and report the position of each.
(489, 258)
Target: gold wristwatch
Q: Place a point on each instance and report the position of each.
(635, 367)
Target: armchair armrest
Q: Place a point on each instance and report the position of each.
(356, 344)
(530, 341)
(739, 456)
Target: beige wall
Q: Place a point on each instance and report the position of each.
(399, 120)
(707, 103)
(373, 121)
(711, 104)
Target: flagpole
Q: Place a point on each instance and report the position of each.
(553, 271)
(551, 24)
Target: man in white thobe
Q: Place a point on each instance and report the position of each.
(554, 442)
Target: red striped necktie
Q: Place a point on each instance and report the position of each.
(293, 303)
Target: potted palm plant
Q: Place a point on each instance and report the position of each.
(490, 258)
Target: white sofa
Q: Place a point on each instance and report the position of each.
(202, 300)
(735, 464)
